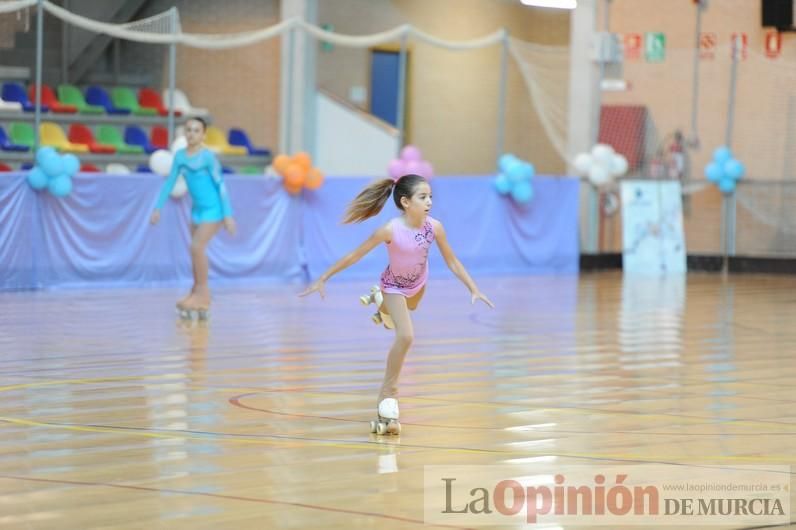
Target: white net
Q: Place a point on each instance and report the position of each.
(545, 70)
(11, 6)
(120, 31)
(672, 127)
(164, 29)
(164, 23)
(766, 223)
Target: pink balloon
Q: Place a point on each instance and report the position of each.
(426, 170)
(396, 169)
(410, 152)
(414, 167)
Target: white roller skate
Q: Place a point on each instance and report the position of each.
(370, 298)
(383, 318)
(201, 314)
(387, 422)
(192, 312)
(376, 297)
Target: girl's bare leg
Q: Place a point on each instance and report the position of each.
(185, 298)
(200, 297)
(404, 335)
(413, 302)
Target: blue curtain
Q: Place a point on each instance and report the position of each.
(100, 234)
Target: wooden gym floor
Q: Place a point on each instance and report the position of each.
(114, 414)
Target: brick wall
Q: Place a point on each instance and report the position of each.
(240, 86)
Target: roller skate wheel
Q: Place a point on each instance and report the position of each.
(378, 298)
(202, 314)
(394, 427)
(374, 425)
(376, 318)
(381, 428)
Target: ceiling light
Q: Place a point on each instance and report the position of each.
(559, 4)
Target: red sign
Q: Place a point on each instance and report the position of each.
(739, 45)
(633, 44)
(707, 45)
(773, 44)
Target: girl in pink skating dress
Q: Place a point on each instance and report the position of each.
(408, 239)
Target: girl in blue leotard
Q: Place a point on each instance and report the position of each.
(211, 207)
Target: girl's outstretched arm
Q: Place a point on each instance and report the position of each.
(167, 186)
(456, 266)
(381, 235)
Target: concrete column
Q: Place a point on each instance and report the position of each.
(298, 87)
(584, 108)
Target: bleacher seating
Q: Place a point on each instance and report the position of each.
(6, 144)
(48, 99)
(52, 135)
(16, 92)
(124, 98)
(135, 135)
(238, 137)
(216, 141)
(71, 95)
(118, 125)
(80, 134)
(97, 96)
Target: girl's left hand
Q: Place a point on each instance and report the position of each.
(317, 286)
(229, 225)
(478, 295)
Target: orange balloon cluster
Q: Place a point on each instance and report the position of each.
(297, 172)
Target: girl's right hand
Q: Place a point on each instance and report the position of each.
(155, 217)
(478, 295)
(317, 286)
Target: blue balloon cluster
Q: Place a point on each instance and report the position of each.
(724, 170)
(515, 178)
(53, 171)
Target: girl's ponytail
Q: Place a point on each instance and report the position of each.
(369, 202)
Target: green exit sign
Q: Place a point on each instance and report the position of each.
(655, 47)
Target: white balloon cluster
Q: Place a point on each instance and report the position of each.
(602, 165)
(160, 163)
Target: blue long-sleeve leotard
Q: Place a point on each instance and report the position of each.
(202, 173)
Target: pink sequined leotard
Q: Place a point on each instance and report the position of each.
(408, 251)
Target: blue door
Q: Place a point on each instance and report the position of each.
(384, 74)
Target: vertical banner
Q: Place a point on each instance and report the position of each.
(652, 219)
(707, 45)
(632, 46)
(773, 44)
(655, 47)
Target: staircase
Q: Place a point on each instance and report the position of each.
(85, 50)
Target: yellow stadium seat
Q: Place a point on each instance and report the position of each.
(217, 142)
(52, 135)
